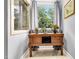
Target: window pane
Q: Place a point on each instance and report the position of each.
(46, 15)
(20, 16)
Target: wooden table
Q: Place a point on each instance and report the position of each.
(37, 40)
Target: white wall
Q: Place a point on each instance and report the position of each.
(17, 45)
(69, 34)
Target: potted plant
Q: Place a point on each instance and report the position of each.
(36, 30)
(55, 27)
(44, 30)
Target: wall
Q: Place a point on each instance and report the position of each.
(17, 43)
(69, 34)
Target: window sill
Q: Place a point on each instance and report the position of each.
(17, 32)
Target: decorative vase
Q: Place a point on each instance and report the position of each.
(55, 31)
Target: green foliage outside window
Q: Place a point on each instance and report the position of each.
(45, 16)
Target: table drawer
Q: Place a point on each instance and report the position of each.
(57, 40)
(36, 40)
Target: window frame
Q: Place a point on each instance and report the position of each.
(12, 31)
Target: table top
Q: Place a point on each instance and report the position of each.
(46, 34)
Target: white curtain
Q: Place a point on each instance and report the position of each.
(34, 15)
(59, 15)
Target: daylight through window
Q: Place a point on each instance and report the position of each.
(46, 14)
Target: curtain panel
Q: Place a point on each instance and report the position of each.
(34, 15)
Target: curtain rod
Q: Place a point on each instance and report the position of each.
(43, 1)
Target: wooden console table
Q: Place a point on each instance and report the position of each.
(37, 40)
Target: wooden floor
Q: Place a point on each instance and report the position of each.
(46, 53)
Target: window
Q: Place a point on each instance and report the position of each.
(19, 16)
(46, 14)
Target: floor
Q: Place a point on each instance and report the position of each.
(46, 53)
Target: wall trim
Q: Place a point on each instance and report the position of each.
(67, 54)
(25, 55)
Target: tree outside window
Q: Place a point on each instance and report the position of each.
(45, 16)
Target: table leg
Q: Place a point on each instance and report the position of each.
(61, 50)
(30, 51)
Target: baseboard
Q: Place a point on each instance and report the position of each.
(67, 54)
(26, 54)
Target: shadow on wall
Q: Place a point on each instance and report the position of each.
(65, 42)
(21, 49)
(69, 43)
(17, 45)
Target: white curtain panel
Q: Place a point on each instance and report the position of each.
(57, 13)
(34, 15)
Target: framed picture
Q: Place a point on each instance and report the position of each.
(69, 8)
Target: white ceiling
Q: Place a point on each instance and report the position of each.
(47, 0)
